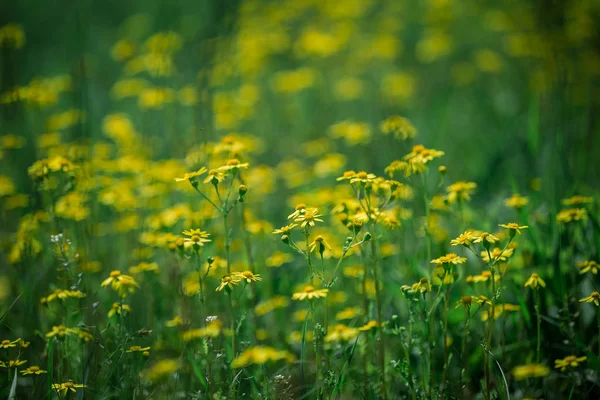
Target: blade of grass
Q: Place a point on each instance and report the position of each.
(197, 371)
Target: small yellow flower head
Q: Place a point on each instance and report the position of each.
(228, 282)
(5, 344)
(464, 239)
(309, 293)
(309, 217)
(592, 298)
(33, 370)
(400, 127)
(516, 201)
(449, 258)
(423, 286)
(261, 355)
(571, 214)
(363, 178)
(534, 281)
(466, 302)
(319, 244)
(460, 191)
(284, 230)
(191, 177)
(248, 276)
(513, 228)
(486, 239)
(63, 388)
(347, 175)
(588, 266)
(577, 201)
(195, 239)
(569, 362)
(442, 169)
(530, 371)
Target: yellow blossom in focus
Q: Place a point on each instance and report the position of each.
(569, 362)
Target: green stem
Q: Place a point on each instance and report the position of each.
(539, 325)
(380, 342)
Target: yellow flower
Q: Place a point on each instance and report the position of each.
(464, 239)
(347, 175)
(592, 298)
(569, 362)
(399, 126)
(278, 258)
(484, 277)
(486, 238)
(348, 313)
(571, 214)
(33, 370)
(144, 266)
(214, 176)
(191, 175)
(363, 178)
(309, 292)
(535, 280)
(261, 355)
(63, 388)
(212, 329)
(320, 244)
(60, 331)
(497, 254)
(119, 309)
(527, 371)
(498, 310)
(449, 258)
(62, 295)
(133, 349)
(423, 286)
(513, 227)
(341, 333)
(233, 165)
(309, 217)
(516, 201)
(284, 230)
(368, 326)
(248, 276)
(113, 277)
(460, 191)
(176, 321)
(12, 363)
(228, 281)
(162, 369)
(588, 266)
(465, 301)
(5, 344)
(577, 200)
(195, 239)
(441, 276)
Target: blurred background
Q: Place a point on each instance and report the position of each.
(508, 89)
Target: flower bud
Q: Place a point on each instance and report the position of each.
(367, 237)
(442, 169)
(242, 190)
(285, 239)
(210, 260)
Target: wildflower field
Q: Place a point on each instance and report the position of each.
(300, 199)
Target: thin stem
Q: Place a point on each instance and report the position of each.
(233, 333)
(380, 343)
(207, 198)
(539, 325)
(464, 350)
